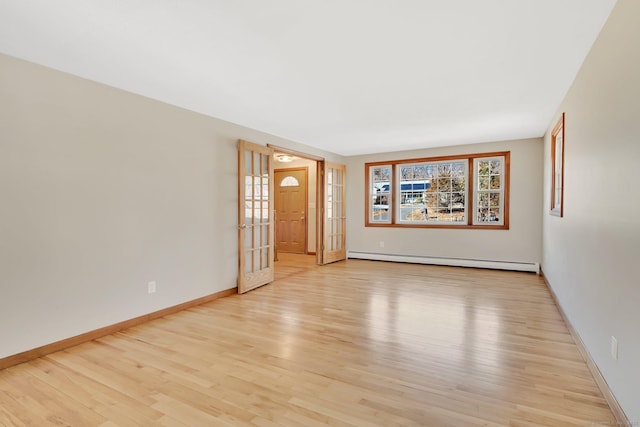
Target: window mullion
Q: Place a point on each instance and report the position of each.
(392, 190)
(471, 194)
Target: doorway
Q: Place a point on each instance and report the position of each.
(325, 222)
(326, 219)
(291, 200)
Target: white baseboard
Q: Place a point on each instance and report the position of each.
(533, 267)
(621, 417)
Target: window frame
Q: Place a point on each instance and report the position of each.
(371, 194)
(488, 191)
(436, 164)
(557, 169)
(471, 183)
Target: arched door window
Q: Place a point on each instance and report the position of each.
(289, 181)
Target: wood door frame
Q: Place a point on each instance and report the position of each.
(320, 161)
(306, 204)
(320, 189)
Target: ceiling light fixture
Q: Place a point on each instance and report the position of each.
(283, 158)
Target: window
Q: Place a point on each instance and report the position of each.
(457, 191)
(432, 192)
(557, 168)
(379, 191)
(489, 199)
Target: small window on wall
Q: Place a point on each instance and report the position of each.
(466, 191)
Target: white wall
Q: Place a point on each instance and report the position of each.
(102, 191)
(521, 243)
(312, 168)
(590, 256)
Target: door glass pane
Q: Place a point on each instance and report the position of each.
(289, 181)
(247, 237)
(265, 199)
(265, 235)
(248, 199)
(256, 188)
(256, 260)
(265, 258)
(265, 165)
(247, 162)
(256, 213)
(248, 209)
(248, 266)
(256, 163)
(256, 237)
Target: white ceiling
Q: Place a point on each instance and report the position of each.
(347, 76)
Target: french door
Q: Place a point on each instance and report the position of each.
(255, 216)
(334, 214)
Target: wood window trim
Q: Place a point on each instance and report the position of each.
(469, 196)
(557, 208)
(391, 202)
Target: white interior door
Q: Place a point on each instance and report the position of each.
(255, 216)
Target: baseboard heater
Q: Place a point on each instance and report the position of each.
(533, 267)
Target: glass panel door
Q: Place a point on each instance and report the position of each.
(255, 216)
(334, 243)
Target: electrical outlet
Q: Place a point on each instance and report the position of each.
(382, 243)
(614, 348)
(151, 287)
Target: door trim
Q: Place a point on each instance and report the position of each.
(295, 153)
(320, 161)
(306, 204)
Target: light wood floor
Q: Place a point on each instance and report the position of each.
(358, 343)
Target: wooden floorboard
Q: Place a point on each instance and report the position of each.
(356, 343)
